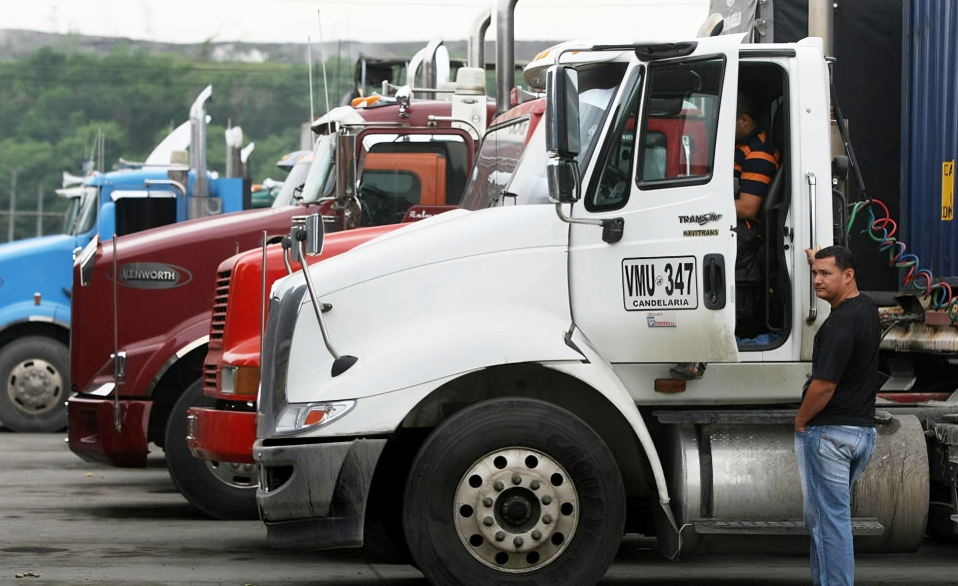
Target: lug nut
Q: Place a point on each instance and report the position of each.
(498, 486)
(487, 501)
(517, 480)
(517, 542)
(536, 535)
(500, 535)
(534, 485)
(546, 500)
(547, 518)
(488, 521)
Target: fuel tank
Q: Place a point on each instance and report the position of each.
(737, 482)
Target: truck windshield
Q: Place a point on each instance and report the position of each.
(320, 180)
(309, 179)
(81, 213)
(510, 168)
(293, 183)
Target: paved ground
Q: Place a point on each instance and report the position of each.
(64, 521)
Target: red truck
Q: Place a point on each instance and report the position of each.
(142, 311)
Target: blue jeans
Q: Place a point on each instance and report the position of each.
(830, 458)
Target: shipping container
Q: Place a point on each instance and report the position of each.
(930, 134)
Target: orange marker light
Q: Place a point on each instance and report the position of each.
(315, 416)
(669, 385)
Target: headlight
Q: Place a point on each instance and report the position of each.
(239, 380)
(304, 416)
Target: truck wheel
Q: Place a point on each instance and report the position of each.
(34, 382)
(514, 491)
(222, 490)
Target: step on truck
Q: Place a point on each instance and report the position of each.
(36, 294)
(499, 382)
(138, 370)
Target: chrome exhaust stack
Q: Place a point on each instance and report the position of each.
(505, 52)
(199, 204)
(476, 49)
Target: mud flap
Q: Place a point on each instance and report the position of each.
(668, 535)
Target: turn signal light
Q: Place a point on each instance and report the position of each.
(240, 380)
(300, 417)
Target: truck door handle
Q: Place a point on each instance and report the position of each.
(713, 277)
(812, 243)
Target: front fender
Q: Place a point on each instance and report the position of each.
(436, 347)
(27, 311)
(149, 360)
(598, 374)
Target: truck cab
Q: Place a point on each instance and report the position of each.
(515, 380)
(37, 294)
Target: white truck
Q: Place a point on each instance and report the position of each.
(494, 385)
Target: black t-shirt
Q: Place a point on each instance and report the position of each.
(846, 353)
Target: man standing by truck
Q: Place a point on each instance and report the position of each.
(835, 427)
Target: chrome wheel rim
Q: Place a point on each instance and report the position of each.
(233, 474)
(516, 510)
(35, 386)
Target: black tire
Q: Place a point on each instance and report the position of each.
(34, 384)
(211, 487)
(459, 466)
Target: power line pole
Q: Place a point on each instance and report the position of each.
(39, 210)
(13, 202)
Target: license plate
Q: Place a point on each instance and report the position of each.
(656, 283)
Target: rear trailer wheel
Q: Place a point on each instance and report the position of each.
(34, 383)
(514, 491)
(222, 490)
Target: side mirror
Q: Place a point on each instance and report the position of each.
(345, 167)
(563, 178)
(307, 230)
(314, 235)
(562, 112)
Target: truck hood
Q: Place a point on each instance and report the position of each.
(200, 230)
(442, 238)
(30, 263)
(497, 276)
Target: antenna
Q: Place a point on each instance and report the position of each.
(102, 149)
(322, 54)
(309, 59)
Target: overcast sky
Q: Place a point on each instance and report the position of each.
(191, 21)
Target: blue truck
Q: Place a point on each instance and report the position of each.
(36, 274)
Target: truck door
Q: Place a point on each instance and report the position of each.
(665, 291)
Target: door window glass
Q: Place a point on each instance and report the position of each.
(387, 194)
(680, 123)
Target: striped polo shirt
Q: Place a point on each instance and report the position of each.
(756, 160)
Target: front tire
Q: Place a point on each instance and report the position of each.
(222, 490)
(34, 383)
(514, 491)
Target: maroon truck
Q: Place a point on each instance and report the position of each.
(142, 309)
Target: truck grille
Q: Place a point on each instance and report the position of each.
(209, 378)
(220, 299)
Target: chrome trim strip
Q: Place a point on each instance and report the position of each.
(193, 346)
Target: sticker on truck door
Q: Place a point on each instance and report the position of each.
(663, 282)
